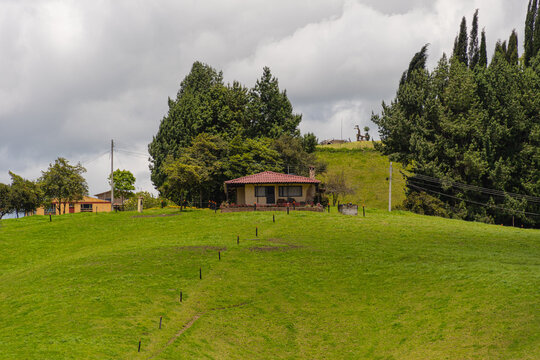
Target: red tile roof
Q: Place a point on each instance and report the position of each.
(270, 177)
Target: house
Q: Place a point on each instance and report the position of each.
(268, 188)
(87, 204)
(118, 201)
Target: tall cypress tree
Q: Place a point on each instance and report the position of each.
(536, 35)
(473, 44)
(461, 43)
(482, 57)
(530, 31)
(512, 52)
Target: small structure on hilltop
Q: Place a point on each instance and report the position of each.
(359, 136)
(333, 141)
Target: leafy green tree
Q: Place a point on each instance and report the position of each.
(309, 142)
(474, 51)
(293, 157)
(63, 183)
(124, 183)
(205, 105)
(201, 106)
(475, 127)
(25, 194)
(149, 201)
(482, 59)
(461, 42)
(269, 109)
(336, 186)
(6, 207)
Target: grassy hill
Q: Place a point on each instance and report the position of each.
(311, 285)
(366, 171)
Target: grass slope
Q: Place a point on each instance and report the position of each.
(366, 171)
(312, 285)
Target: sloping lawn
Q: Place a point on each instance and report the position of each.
(311, 285)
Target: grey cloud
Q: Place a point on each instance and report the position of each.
(76, 74)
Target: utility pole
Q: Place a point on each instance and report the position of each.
(112, 178)
(390, 189)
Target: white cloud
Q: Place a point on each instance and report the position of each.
(76, 74)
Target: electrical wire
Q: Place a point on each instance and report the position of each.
(474, 202)
(480, 189)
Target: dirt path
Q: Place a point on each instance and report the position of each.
(190, 323)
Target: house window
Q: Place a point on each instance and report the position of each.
(86, 207)
(260, 191)
(290, 191)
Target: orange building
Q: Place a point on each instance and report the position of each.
(87, 204)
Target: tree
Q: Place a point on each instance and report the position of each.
(460, 44)
(512, 51)
(418, 62)
(366, 129)
(529, 31)
(536, 35)
(187, 114)
(6, 206)
(337, 186)
(63, 183)
(25, 194)
(482, 59)
(479, 127)
(474, 52)
(149, 201)
(309, 142)
(205, 105)
(269, 109)
(124, 183)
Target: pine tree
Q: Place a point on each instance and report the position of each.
(512, 52)
(473, 44)
(530, 31)
(482, 58)
(461, 42)
(536, 35)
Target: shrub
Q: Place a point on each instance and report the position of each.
(425, 204)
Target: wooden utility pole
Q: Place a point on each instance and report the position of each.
(112, 178)
(390, 189)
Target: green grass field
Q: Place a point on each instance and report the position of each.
(366, 171)
(312, 285)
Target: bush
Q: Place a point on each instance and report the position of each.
(425, 204)
(149, 201)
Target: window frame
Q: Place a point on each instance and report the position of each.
(87, 208)
(257, 190)
(285, 191)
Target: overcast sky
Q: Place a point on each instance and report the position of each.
(76, 74)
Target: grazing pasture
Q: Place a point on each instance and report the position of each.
(311, 285)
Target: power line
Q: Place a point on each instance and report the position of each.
(94, 159)
(480, 189)
(473, 202)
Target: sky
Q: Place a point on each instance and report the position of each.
(76, 74)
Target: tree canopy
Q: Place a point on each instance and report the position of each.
(124, 183)
(471, 135)
(63, 183)
(214, 132)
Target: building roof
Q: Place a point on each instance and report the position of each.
(270, 177)
(85, 199)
